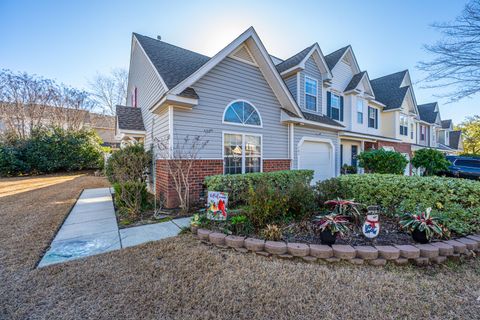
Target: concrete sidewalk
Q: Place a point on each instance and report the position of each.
(91, 228)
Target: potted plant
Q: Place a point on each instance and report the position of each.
(330, 226)
(422, 226)
(346, 208)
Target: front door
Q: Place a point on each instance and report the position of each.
(354, 155)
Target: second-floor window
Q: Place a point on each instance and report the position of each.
(411, 130)
(334, 106)
(311, 94)
(359, 111)
(403, 125)
(372, 118)
(422, 133)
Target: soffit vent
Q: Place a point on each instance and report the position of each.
(244, 55)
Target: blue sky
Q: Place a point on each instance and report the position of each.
(70, 41)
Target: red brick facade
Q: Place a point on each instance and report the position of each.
(276, 165)
(201, 169)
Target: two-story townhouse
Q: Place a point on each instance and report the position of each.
(449, 140)
(400, 113)
(427, 126)
(259, 116)
(351, 100)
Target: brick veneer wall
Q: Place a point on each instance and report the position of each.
(276, 165)
(201, 169)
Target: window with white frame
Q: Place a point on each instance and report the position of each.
(359, 111)
(372, 118)
(242, 153)
(242, 113)
(412, 129)
(335, 106)
(403, 125)
(423, 132)
(311, 93)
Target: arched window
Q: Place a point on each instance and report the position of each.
(242, 113)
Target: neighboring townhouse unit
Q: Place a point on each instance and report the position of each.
(262, 113)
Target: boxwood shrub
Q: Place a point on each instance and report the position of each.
(394, 192)
(237, 185)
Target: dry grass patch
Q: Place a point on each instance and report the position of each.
(183, 279)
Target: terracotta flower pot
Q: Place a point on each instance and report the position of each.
(420, 236)
(326, 237)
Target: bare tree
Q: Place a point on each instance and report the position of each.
(110, 90)
(23, 100)
(71, 108)
(180, 156)
(456, 61)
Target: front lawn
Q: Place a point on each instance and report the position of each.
(184, 279)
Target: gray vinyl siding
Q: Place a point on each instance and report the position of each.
(342, 74)
(311, 71)
(228, 81)
(305, 131)
(291, 83)
(149, 90)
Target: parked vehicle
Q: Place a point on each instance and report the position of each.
(464, 167)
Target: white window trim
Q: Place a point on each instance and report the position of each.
(243, 134)
(242, 124)
(306, 93)
(375, 116)
(363, 109)
(332, 94)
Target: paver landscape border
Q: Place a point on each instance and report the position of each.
(418, 254)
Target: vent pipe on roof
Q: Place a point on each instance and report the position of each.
(159, 37)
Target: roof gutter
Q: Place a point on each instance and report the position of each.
(172, 99)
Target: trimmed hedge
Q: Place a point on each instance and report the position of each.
(237, 185)
(51, 150)
(395, 192)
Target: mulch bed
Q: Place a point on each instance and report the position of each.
(390, 234)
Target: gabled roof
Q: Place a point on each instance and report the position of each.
(263, 60)
(388, 89)
(333, 58)
(174, 64)
(455, 139)
(427, 112)
(294, 60)
(355, 81)
(446, 124)
(129, 118)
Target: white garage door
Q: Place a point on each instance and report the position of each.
(317, 156)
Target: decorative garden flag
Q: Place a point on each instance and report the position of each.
(217, 206)
(371, 227)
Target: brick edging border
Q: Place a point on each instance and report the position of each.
(419, 254)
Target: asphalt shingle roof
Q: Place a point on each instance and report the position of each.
(427, 112)
(333, 58)
(321, 119)
(446, 123)
(130, 118)
(355, 81)
(388, 91)
(189, 93)
(293, 60)
(455, 139)
(173, 63)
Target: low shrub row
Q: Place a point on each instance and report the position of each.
(407, 192)
(50, 150)
(238, 185)
(456, 201)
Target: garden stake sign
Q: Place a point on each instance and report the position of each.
(371, 227)
(217, 206)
